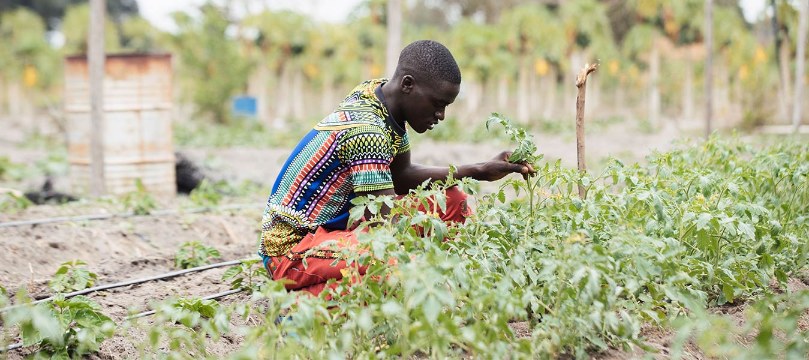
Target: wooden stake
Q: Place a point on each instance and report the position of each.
(581, 83)
(95, 61)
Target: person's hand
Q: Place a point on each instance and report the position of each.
(499, 167)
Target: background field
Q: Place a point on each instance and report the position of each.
(629, 278)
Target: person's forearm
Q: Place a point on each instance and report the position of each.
(416, 174)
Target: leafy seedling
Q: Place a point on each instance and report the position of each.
(525, 153)
(63, 328)
(140, 201)
(72, 276)
(193, 254)
(13, 201)
(246, 275)
(207, 193)
(526, 148)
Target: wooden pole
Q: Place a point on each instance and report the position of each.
(800, 61)
(95, 61)
(708, 67)
(394, 36)
(581, 83)
(783, 93)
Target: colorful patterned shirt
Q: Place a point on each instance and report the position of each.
(347, 152)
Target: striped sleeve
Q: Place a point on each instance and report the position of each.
(404, 145)
(368, 152)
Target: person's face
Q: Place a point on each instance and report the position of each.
(426, 101)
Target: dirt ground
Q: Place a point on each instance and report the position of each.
(119, 249)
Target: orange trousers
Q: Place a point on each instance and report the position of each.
(320, 263)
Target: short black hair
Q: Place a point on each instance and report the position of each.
(428, 59)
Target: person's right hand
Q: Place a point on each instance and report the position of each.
(499, 167)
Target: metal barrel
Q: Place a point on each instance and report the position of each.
(137, 136)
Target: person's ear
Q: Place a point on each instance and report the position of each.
(407, 84)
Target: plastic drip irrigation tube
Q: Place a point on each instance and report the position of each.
(209, 297)
(139, 315)
(131, 282)
(12, 347)
(124, 215)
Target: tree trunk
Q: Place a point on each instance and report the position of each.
(737, 105)
(502, 93)
(14, 100)
(475, 92)
(688, 90)
(783, 92)
(283, 97)
(3, 98)
(619, 101)
(800, 61)
(721, 96)
(328, 100)
(654, 86)
(708, 67)
(394, 35)
(260, 87)
(365, 72)
(298, 96)
(549, 94)
(786, 81)
(534, 96)
(523, 112)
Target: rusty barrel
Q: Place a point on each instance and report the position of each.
(137, 136)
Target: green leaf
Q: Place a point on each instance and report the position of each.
(232, 272)
(194, 254)
(431, 308)
(702, 220)
(747, 230)
(390, 308)
(71, 276)
(727, 291)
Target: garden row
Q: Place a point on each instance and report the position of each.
(660, 244)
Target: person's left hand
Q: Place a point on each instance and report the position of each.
(499, 167)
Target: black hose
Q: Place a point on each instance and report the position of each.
(132, 282)
(143, 314)
(209, 297)
(12, 347)
(123, 216)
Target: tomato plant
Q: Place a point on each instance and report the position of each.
(656, 243)
(249, 274)
(71, 276)
(140, 201)
(193, 254)
(62, 328)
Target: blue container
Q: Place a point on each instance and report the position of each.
(245, 106)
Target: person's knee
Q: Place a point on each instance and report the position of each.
(455, 196)
(457, 204)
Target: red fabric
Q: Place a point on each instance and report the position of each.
(319, 269)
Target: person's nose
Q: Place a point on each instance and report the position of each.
(440, 114)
